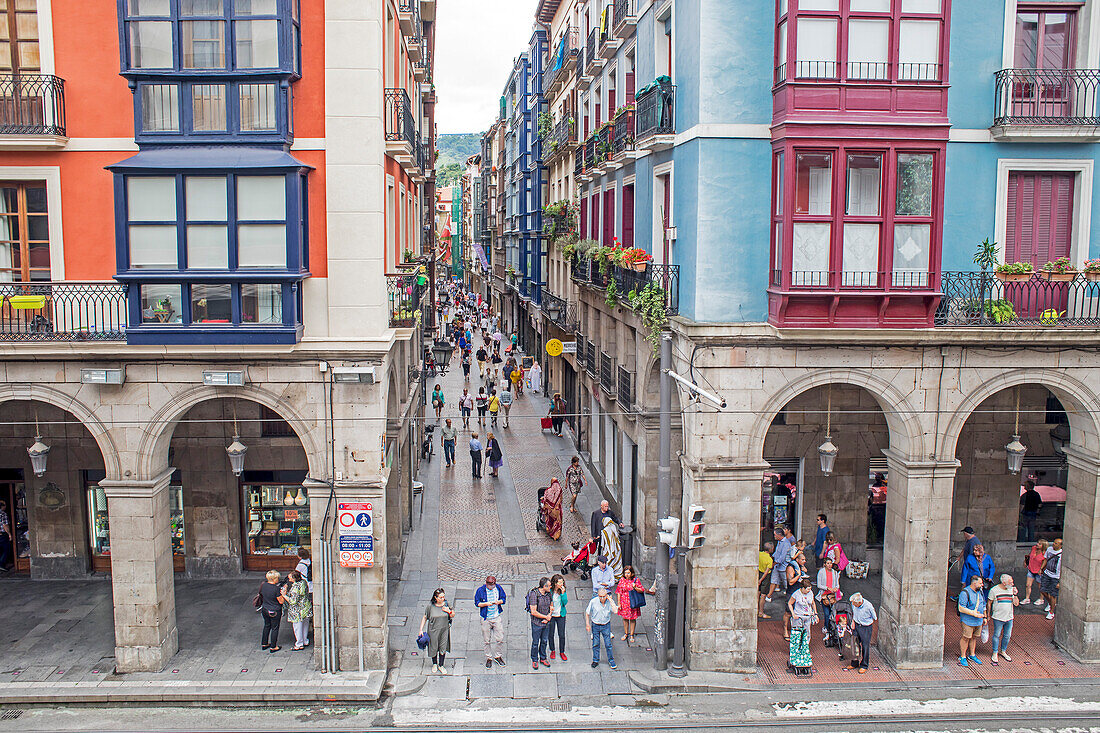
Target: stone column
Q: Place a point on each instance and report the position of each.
(142, 578)
(914, 560)
(1077, 618)
(722, 632)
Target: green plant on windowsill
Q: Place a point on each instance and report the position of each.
(985, 256)
(1000, 311)
(546, 125)
(649, 304)
(408, 255)
(612, 295)
(569, 250)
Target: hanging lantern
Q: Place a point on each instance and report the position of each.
(1015, 450)
(827, 451)
(236, 451)
(38, 453)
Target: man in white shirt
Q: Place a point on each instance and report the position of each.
(597, 621)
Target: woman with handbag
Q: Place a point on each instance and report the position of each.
(631, 599)
(828, 593)
(271, 608)
(437, 617)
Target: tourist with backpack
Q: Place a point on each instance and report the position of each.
(972, 617)
(540, 605)
(1052, 577)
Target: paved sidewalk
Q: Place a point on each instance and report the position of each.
(471, 528)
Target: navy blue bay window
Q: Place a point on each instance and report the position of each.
(212, 243)
(208, 111)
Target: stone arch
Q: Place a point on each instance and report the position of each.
(906, 432)
(1079, 401)
(36, 392)
(158, 433)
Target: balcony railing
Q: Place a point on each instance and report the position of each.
(656, 110)
(607, 373)
(405, 297)
(591, 361)
(624, 12)
(1047, 97)
(666, 277)
(63, 311)
(590, 51)
(855, 280)
(399, 118)
(554, 307)
(562, 136)
(980, 299)
(32, 104)
(563, 56)
(625, 392)
(622, 138)
(860, 71)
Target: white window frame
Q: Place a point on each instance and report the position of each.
(52, 176)
(1088, 35)
(45, 37)
(657, 236)
(1082, 200)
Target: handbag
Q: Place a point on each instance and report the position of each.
(422, 640)
(258, 599)
(637, 599)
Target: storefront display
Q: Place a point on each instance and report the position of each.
(99, 529)
(277, 524)
(14, 494)
(779, 497)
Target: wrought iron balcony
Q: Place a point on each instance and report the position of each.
(63, 311)
(666, 277)
(562, 137)
(400, 130)
(622, 138)
(625, 393)
(625, 19)
(1047, 97)
(592, 361)
(590, 52)
(607, 374)
(554, 307)
(405, 298)
(975, 299)
(563, 59)
(656, 112)
(32, 104)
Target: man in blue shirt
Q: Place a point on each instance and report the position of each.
(972, 616)
(783, 545)
(597, 621)
(863, 623)
(819, 539)
(603, 577)
(490, 599)
(475, 455)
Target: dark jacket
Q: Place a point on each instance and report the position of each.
(597, 520)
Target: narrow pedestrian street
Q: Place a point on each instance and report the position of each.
(470, 528)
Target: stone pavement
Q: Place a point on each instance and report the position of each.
(471, 528)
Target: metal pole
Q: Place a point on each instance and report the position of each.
(664, 501)
(359, 611)
(681, 610)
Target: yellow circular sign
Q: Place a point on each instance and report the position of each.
(554, 347)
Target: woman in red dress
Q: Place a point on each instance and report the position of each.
(551, 504)
(630, 615)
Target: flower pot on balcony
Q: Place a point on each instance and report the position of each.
(1092, 277)
(640, 266)
(1060, 277)
(1013, 277)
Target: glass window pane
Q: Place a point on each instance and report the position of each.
(781, 45)
(261, 198)
(779, 184)
(205, 198)
(810, 256)
(211, 303)
(261, 245)
(203, 44)
(912, 243)
(782, 7)
(151, 199)
(914, 184)
(868, 49)
(815, 50)
(153, 247)
(261, 304)
(1056, 41)
(257, 107)
(919, 50)
(257, 44)
(208, 107)
(28, 56)
(255, 7)
(149, 7)
(151, 45)
(26, 26)
(1027, 41)
(864, 185)
(818, 5)
(161, 303)
(160, 108)
(38, 228)
(860, 255)
(39, 254)
(36, 199)
(207, 247)
(813, 184)
(921, 6)
(870, 6)
(777, 246)
(201, 7)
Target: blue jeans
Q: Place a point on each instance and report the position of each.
(602, 631)
(540, 639)
(1002, 634)
(449, 451)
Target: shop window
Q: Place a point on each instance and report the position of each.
(277, 524)
(24, 232)
(99, 526)
(14, 495)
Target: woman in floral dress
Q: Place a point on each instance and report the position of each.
(574, 479)
(630, 615)
(299, 609)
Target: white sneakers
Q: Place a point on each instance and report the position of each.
(1049, 615)
(439, 670)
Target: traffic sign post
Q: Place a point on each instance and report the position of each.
(355, 532)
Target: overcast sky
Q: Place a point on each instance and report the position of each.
(475, 46)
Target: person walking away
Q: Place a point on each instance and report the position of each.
(299, 609)
(559, 599)
(833, 551)
(7, 539)
(465, 407)
(597, 622)
(1052, 574)
(271, 609)
(557, 413)
(506, 404)
(466, 364)
(1034, 564)
(437, 402)
(979, 564)
(1030, 504)
(802, 609)
(551, 508)
(475, 455)
(490, 599)
(1001, 607)
(448, 435)
(819, 540)
(482, 402)
(517, 379)
(437, 617)
(482, 356)
(494, 363)
(764, 567)
(863, 626)
(494, 408)
(539, 605)
(972, 603)
(305, 567)
(630, 591)
(574, 479)
(534, 377)
(611, 546)
(494, 454)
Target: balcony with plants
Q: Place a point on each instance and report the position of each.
(655, 122)
(558, 138)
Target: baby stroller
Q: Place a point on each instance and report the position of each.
(581, 558)
(847, 643)
(829, 628)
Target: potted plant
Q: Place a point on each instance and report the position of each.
(569, 250)
(1000, 311)
(1011, 272)
(1061, 270)
(408, 255)
(636, 258)
(1092, 270)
